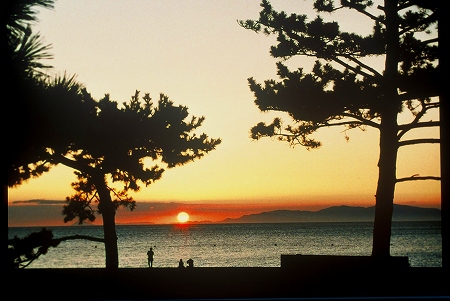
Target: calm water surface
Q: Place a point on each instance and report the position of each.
(237, 245)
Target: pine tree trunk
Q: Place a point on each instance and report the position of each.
(387, 163)
(386, 186)
(108, 212)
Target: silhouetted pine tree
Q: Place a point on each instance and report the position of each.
(110, 144)
(344, 90)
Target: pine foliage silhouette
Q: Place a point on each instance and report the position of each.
(343, 89)
(29, 110)
(23, 251)
(24, 72)
(111, 146)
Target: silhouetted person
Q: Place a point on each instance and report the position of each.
(190, 263)
(150, 254)
(181, 263)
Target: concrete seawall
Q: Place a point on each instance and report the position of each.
(224, 283)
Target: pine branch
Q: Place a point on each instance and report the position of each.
(54, 243)
(419, 141)
(430, 41)
(430, 19)
(367, 14)
(350, 67)
(415, 123)
(351, 123)
(76, 236)
(407, 127)
(362, 65)
(362, 120)
(417, 178)
(73, 164)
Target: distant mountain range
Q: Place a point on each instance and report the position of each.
(338, 214)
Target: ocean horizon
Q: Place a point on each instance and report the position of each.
(40, 213)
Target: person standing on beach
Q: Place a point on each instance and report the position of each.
(181, 263)
(150, 254)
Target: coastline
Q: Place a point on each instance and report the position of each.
(228, 283)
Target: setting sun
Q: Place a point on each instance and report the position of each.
(183, 217)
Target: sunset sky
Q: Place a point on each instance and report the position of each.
(196, 53)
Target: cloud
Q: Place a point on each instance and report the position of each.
(35, 214)
(39, 202)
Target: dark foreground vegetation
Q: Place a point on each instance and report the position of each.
(324, 278)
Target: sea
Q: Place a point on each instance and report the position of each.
(236, 245)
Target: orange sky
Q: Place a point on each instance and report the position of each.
(196, 53)
(48, 213)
